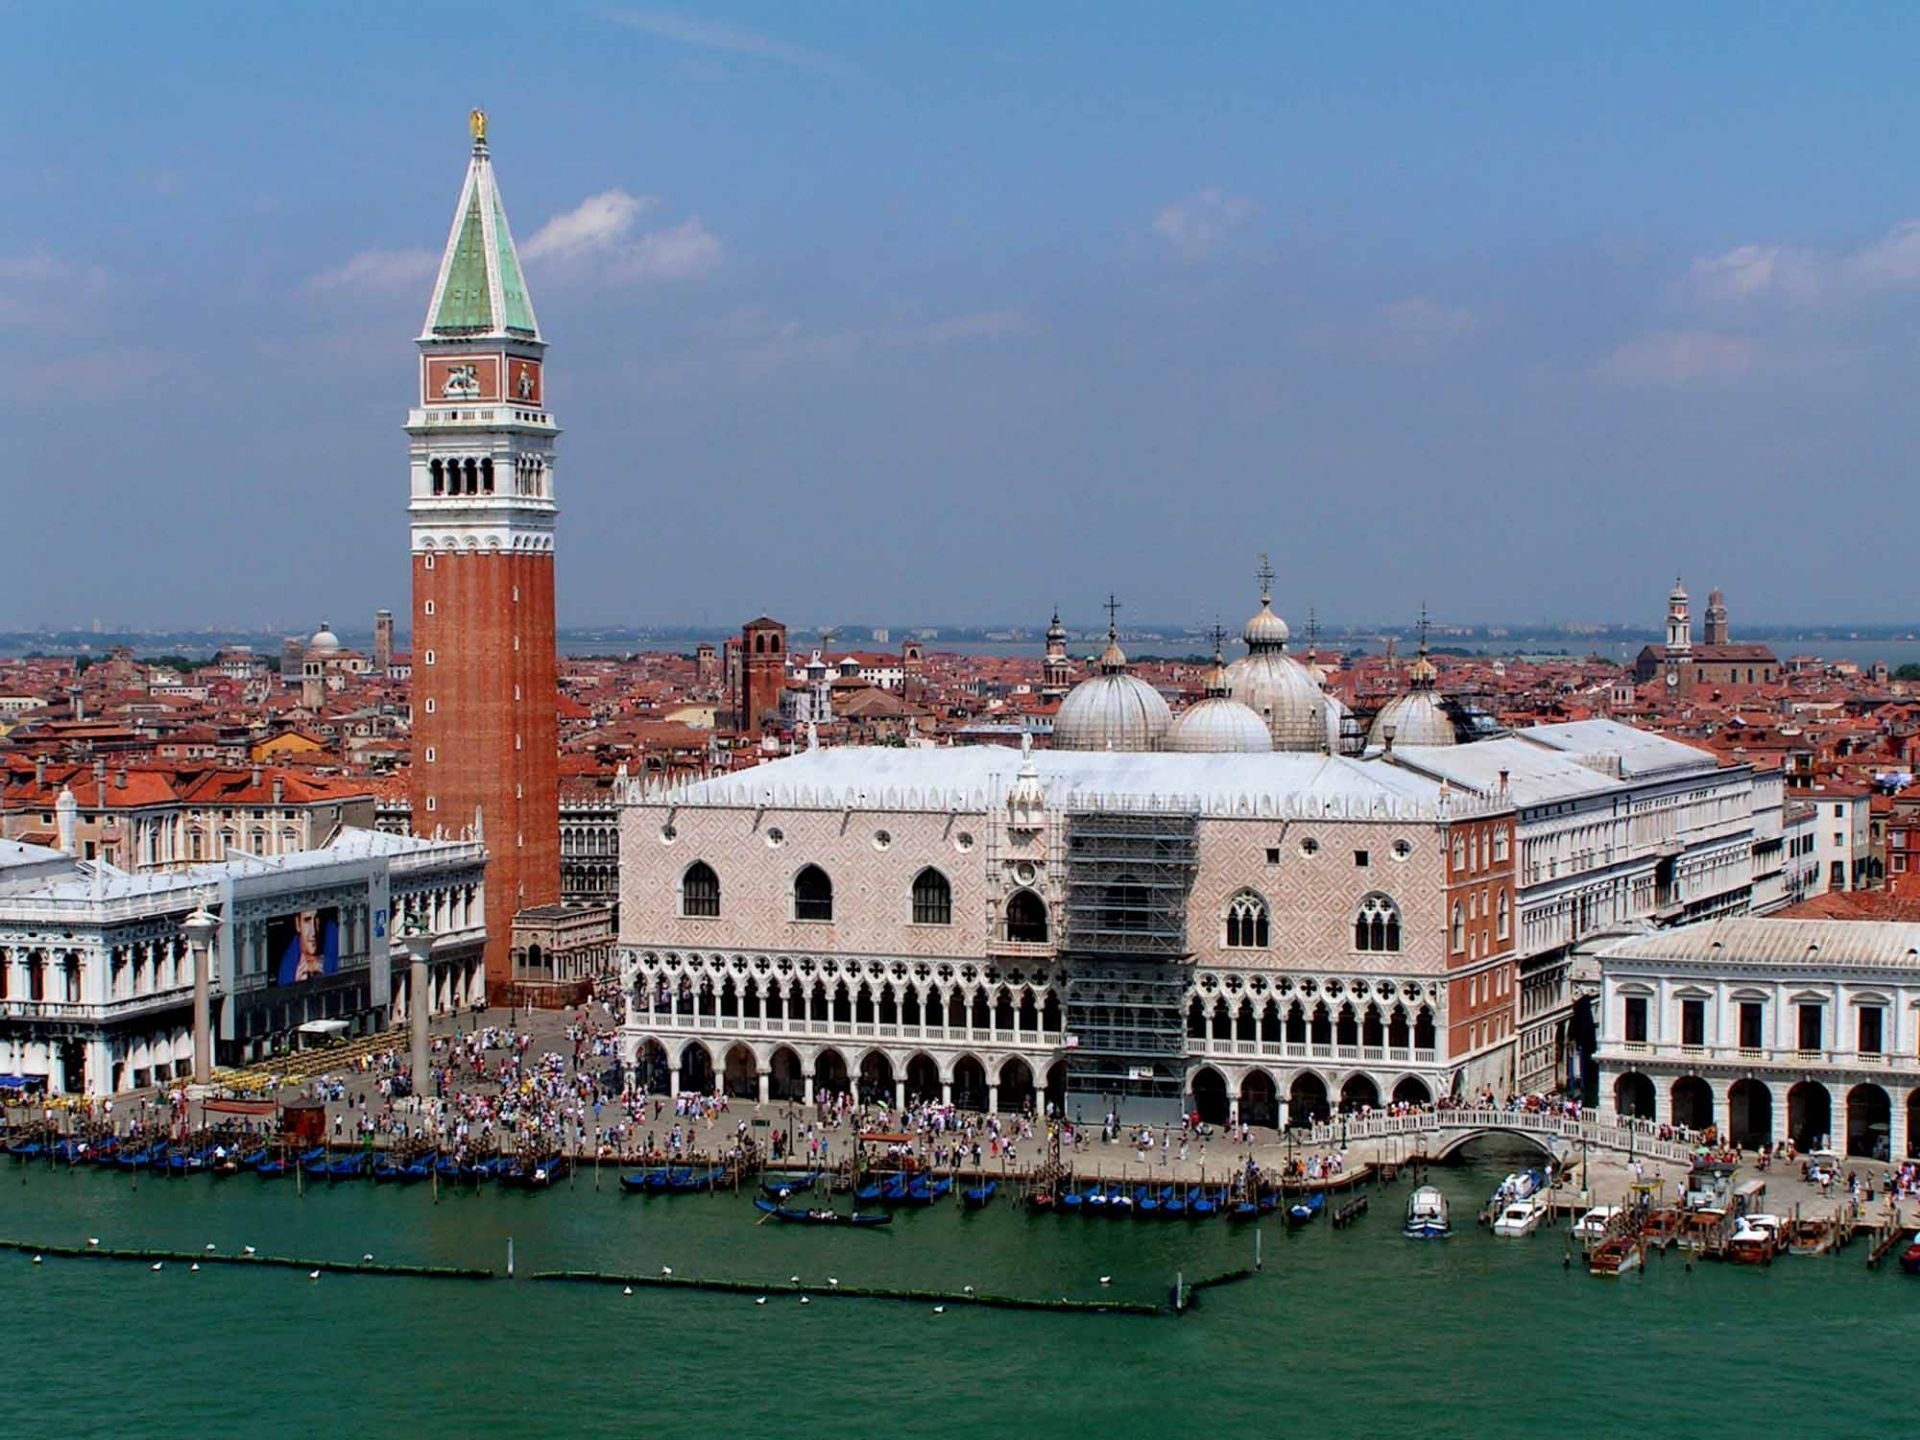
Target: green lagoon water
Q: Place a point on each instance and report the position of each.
(1360, 1331)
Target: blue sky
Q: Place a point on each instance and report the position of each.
(923, 313)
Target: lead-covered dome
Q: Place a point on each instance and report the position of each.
(1277, 687)
(1420, 716)
(1219, 724)
(1112, 710)
(324, 641)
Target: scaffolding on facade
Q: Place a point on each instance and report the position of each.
(1128, 877)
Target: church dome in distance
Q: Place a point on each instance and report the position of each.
(1112, 710)
(1274, 685)
(324, 641)
(1420, 716)
(1218, 724)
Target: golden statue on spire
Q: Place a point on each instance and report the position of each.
(477, 122)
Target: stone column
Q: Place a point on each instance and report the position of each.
(419, 949)
(806, 1087)
(200, 927)
(1722, 1106)
(993, 1097)
(900, 1094)
(946, 1092)
(1897, 1128)
(1662, 1097)
(764, 1077)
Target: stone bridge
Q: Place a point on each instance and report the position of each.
(1436, 1134)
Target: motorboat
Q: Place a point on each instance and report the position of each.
(1591, 1227)
(1519, 1218)
(1427, 1217)
(1755, 1240)
(1518, 1186)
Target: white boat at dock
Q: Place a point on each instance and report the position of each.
(1519, 1218)
(1427, 1217)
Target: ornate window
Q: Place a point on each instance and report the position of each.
(1376, 925)
(932, 898)
(812, 894)
(1505, 916)
(1247, 922)
(1026, 918)
(700, 891)
(1459, 928)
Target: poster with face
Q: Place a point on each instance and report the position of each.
(305, 946)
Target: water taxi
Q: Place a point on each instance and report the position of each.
(1519, 1219)
(1427, 1215)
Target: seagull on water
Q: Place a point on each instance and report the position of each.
(939, 1309)
(156, 1265)
(1106, 1279)
(627, 1291)
(805, 1301)
(247, 1250)
(313, 1275)
(37, 1260)
(210, 1247)
(194, 1266)
(761, 1301)
(666, 1271)
(367, 1259)
(793, 1279)
(967, 1288)
(833, 1280)
(93, 1240)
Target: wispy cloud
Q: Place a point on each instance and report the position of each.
(597, 224)
(1414, 331)
(728, 39)
(1197, 225)
(1676, 358)
(1757, 272)
(378, 272)
(986, 325)
(40, 287)
(598, 234)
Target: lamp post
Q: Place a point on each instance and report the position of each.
(200, 926)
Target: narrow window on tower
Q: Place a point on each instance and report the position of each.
(432, 804)
(431, 757)
(429, 607)
(516, 742)
(429, 705)
(429, 657)
(429, 564)
(516, 594)
(516, 692)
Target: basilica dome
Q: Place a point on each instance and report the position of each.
(324, 641)
(1277, 687)
(1420, 716)
(1112, 710)
(1219, 724)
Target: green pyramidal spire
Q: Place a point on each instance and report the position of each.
(480, 290)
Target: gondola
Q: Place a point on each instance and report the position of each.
(1302, 1212)
(820, 1217)
(1203, 1206)
(353, 1167)
(690, 1182)
(1173, 1207)
(785, 1185)
(868, 1194)
(1043, 1202)
(979, 1196)
(923, 1192)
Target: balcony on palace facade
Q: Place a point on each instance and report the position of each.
(1241, 1050)
(1632, 1051)
(789, 1029)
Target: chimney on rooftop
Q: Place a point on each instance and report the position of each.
(258, 776)
(100, 775)
(39, 770)
(76, 707)
(279, 788)
(120, 779)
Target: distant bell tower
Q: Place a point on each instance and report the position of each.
(1056, 671)
(482, 519)
(763, 671)
(1679, 624)
(1715, 632)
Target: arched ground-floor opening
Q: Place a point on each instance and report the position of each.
(1209, 1090)
(969, 1084)
(1633, 1096)
(696, 1069)
(923, 1080)
(1412, 1091)
(1057, 1086)
(1259, 1099)
(1307, 1099)
(1359, 1093)
(1692, 1102)
(830, 1073)
(1913, 1123)
(876, 1079)
(783, 1078)
(1869, 1121)
(742, 1074)
(1809, 1115)
(650, 1067)
(1016, 1086)
(1750, 1114)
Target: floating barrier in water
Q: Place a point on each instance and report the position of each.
(758, 1288)
(281, 1262)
